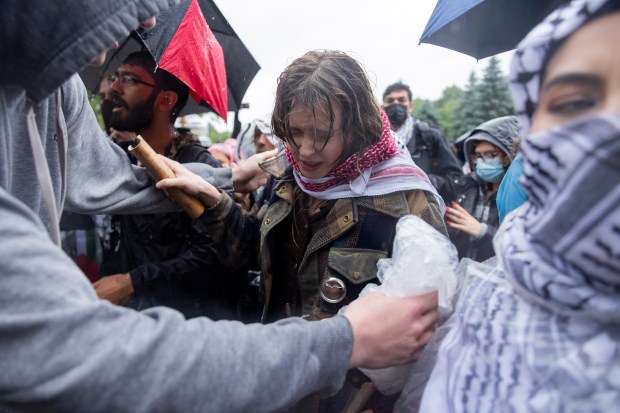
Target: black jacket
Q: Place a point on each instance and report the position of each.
(471, 190)
(472, 196)
(431, 152)
(171, 260)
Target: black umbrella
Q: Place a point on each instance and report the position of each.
(482, 28)
(240, 66)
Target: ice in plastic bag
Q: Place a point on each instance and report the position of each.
(423, 260)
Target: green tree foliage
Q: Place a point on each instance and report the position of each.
(446, 106)
(95, 102)
(217, 137)
(495, 99)
(425, 110)
(438, 113)
(481, 101)
(449, 94)
(467, 114)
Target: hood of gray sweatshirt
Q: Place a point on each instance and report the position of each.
(44, 43)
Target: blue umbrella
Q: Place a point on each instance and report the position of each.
(482, 28)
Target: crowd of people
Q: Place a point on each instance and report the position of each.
(265, 302)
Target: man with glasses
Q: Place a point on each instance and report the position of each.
(161, 259)
(427, 146)
(105, 95)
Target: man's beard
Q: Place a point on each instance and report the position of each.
(138, 117)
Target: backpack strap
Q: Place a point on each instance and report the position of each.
(425, 133)
(422, 139)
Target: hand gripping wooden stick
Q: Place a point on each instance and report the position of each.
(148, 158)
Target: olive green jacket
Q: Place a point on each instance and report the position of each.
(357, 233)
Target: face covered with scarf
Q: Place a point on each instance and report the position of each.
(563, 248)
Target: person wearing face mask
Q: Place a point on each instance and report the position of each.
(473, 218)
(427, 146)
(538, 330)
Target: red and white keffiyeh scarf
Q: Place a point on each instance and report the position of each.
(384, 169)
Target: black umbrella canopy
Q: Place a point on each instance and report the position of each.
(241, 67)
(483, 28)
(237, 57)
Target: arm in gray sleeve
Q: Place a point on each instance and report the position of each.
(99, 176)
(64, 350)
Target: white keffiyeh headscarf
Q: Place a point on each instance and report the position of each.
(405, 132)
(539, 330)
(535, 50)
(561, 250)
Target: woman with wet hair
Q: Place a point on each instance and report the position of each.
(330, 215)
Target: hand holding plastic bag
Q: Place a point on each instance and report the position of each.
(423, 260)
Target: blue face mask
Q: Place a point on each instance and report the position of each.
(490, 171)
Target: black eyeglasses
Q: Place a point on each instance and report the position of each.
(127, 80)
(487, 156)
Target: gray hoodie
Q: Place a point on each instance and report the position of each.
(501, 132)
(61, 348)
(43, 45)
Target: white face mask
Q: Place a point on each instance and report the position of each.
(564, 245)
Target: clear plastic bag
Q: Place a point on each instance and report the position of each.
(423, 260)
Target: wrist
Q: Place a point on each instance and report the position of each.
(234, 178)
(356, 350)
(217, 201)
(209, 195)
(482, 230)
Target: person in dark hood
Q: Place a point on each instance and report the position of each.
(473, 217)
(64, 350)
(426, 145)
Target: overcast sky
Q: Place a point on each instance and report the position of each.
(382, 34)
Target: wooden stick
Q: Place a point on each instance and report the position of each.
(148, 158)
(360, 399)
